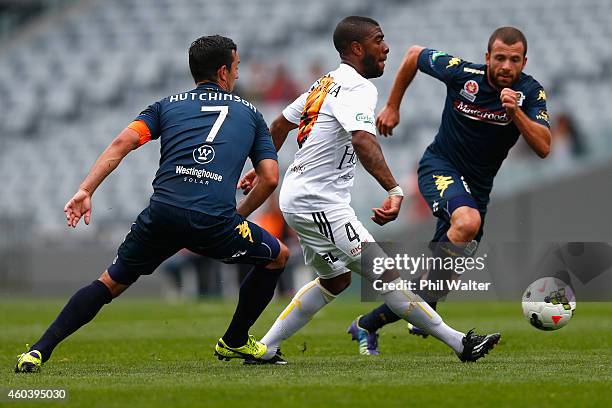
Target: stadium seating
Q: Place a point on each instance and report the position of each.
(73, 80)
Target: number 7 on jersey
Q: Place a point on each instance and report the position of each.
(217, 125)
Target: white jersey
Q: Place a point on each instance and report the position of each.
(322, 172)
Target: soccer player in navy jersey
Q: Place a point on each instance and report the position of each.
(206, 136)
(487, 107)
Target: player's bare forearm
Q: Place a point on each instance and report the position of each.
(108, 161)
(258, 195)
(279, 129)
(537, 136)
(405, 75)
(389, 117)
(371, 157)
(267, 174)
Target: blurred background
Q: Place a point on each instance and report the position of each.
(73, 73)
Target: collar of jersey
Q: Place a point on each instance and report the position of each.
(344, 65)
(212, 86)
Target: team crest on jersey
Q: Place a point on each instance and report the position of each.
(469, 91)
(204, 154)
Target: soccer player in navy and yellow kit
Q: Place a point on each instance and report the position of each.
(487, 107)
(206, 136)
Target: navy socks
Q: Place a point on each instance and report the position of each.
(377, 318)
(80, 310)
(256, 291)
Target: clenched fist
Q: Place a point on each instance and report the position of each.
(509, 100)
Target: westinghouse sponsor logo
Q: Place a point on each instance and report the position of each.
(204, 154)
(199, 173)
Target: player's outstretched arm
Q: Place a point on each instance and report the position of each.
(279, 129)
(371, 156)
(389, 117)
(537, 136)
(80, 204)
(267, 180)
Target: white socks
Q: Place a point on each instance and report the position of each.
(312, 297)
(307, 301)
(410, 307)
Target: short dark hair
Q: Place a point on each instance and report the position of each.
(508, 35)
(352, 28)
(207, 54)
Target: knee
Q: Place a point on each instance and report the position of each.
(336, 285)
(114, 287)
(465, 224)
(281, 260)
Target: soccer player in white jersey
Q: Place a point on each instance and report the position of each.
(335, 121)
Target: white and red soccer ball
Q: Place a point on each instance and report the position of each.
(548, 303)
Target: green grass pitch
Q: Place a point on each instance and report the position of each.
(154, 354)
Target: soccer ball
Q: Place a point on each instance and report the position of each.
(548, 303)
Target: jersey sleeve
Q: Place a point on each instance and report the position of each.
(262, 148)
(535, 107)
(439, 65)
(151, 117)
(293, 112)
(355, 108)
(140, 127)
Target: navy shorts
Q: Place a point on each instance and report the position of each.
(161, 230)
(445, 189)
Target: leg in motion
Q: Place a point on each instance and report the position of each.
(311, 298)
(80, 310)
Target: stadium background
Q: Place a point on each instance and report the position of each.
(73, 73)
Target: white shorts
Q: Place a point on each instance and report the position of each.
(331, 240)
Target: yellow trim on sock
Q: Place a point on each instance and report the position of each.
(425, 310)
(419, 304)
(296, 300)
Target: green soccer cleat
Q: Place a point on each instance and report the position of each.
(253, 349)
(29, 362)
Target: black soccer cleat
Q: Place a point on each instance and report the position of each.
(476, 346)
(276, 360)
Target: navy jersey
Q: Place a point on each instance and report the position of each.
(206, 136)
(476, 133)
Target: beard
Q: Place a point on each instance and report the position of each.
(372, 69)
(498, 84)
